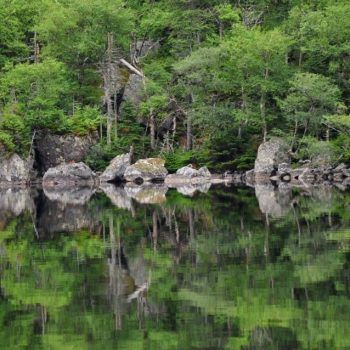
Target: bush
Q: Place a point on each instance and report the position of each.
(6, 143)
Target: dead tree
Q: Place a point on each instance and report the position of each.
(112, 84)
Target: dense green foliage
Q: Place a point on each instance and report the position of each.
(225, 75)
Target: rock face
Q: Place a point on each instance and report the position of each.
(150, 169)
(116, 169)
(270, 155)
(15, 170)
(53, 149)
(133, 89)
(69, 175)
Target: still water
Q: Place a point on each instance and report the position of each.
(228, 268)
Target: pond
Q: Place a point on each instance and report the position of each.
(228, 268)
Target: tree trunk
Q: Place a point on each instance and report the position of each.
(152, 131)
(189, 134)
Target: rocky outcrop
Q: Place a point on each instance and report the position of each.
(69, 175)
(270, 155)
(52, 149)
(14, 170)
(146, 170)
(133, 90)
(116, 169)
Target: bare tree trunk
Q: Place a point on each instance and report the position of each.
(152, 131)
(108, 89)
(189, 134)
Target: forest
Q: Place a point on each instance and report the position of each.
(216, 77)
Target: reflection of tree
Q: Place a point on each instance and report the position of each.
(205, 272)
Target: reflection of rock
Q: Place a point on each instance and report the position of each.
(58, 217)
(15, 170)
(53, 150)
(116, 168)
(75, 195)
(272, 201)
(14, 201)
(147, 193)
(69, 175)
(117, 195)
(190, 190)
(149, 169)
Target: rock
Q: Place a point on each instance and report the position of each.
(346, 172)
(133, 90)
(68, 175)
(150, 169)
(53, 149)
(147, 193)
(339, 168)
(284, 168)
(116, 168)
(270, 155)
(187, 171)
(143, 48)
(190, 172)
(15, 170)
(204, 172)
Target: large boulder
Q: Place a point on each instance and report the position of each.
(189, 176)
(150, 169)
(187, 171)
(69, 175)
(270, 155)
(53, 149)
(15, 170)
(116, 169)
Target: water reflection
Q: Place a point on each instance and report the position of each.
(147, 267)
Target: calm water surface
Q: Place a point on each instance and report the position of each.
(231, 268)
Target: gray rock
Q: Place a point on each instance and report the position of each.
(15, 170)
(346, 172)
(133, 90)
(53, 149)
(187, 171)
(270, 155)
(339, 168)
(204, 172)
(68, 175)
(143, 48)
(150, 169)
(284, 168)
(116, 168)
